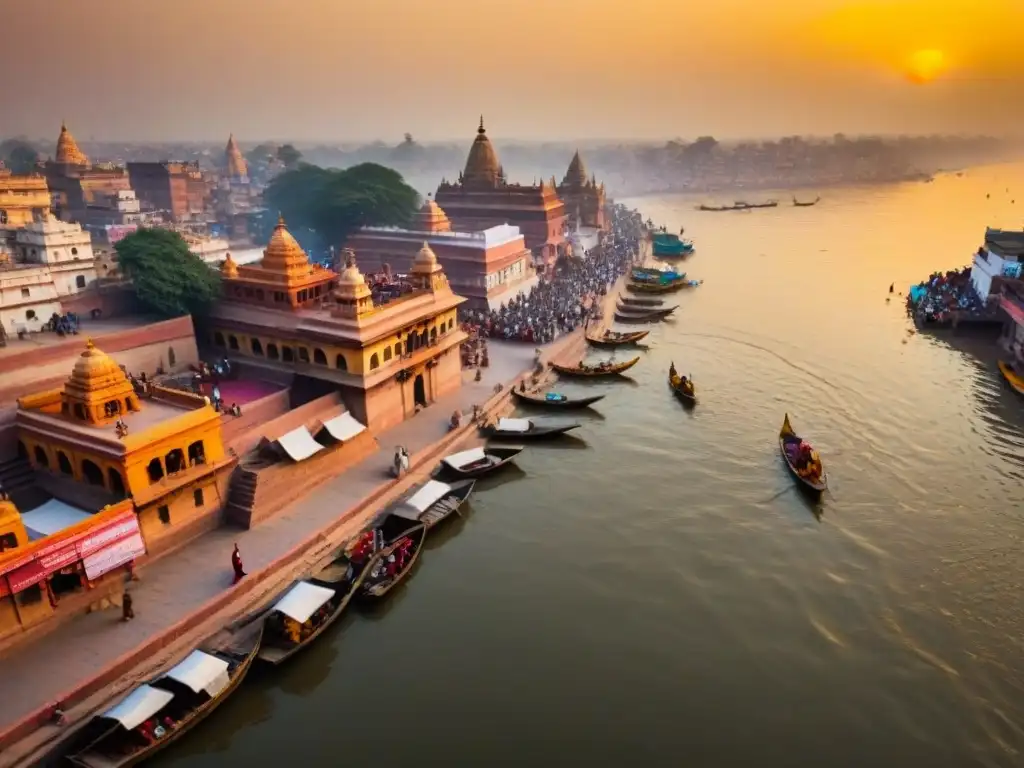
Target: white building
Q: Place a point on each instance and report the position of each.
(28, 297)
(65, 248)
(1001, 256)
(212, 250)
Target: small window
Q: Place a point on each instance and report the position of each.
(175, 461)
(115, 482)
(232, 342)
(398, 349)
(64, 464)
(24, 293)
(374, 361)
(91, 472)
(257, 348)
(155, 470)
(303, 355)
(433, 335)
(30, 314)
(319, 357)
(41, 458)
(74, 251)
(196, 454)
(197, 497)
(218, 339)
(387, 354)
(340, 364)
(272, 351)
(80, 281)
(80, 411)
(287, 355)
(164, 513)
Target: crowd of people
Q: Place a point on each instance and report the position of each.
(943, 293)
(563, 302)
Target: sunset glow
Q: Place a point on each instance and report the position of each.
(926, 65)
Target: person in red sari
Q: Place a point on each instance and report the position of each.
(236, 565)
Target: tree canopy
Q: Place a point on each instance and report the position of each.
(20, 157)
(167, 277)
(335, 203)
(288, 155)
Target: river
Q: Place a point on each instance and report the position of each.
(657, 590)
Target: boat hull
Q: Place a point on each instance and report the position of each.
(813, 487)
(555, 405)
(1015, 381)
(590, 373)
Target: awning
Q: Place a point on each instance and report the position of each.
(299, 444)
(343, 427)
(514, 425)
(465, 458)
(201, 672)
(52, 517)
(138, 706)
(303, 600)
(427, 495)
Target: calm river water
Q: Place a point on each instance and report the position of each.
(657, 590)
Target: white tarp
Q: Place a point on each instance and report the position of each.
(201, 672)
(299, 444)
(343, 427)
(427, 495)
(303, 600)
(50, 518)
(110, 557)
(465, 458)
(139, 705)
(514, 425)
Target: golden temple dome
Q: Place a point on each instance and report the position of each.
(576, 175)
(67, 148)
(95, 370)
(98, 390)
(431, 218)
(482, 167)
(228, 267)
(235, 161)
(283, 253)
(426, 260)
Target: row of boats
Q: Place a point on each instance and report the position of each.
(740, 205)
(160, 711)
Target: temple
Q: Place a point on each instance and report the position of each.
(287, 316)
(483, 198)
(120, 470)
(584, 198)
(234, 162)
(487, 267)
(23, 199)
(76, 184)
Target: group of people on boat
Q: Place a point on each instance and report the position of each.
(805, 459)
(295, 632)
(604, 365)
(390, 566)
(562, 302)
(677, 381)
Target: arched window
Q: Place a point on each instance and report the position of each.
(115, 482)
(218, 339)
(196, 454)
(22, 450)
(319, 357)
(423, 338)
(398, 349)
(257, 347)
(41, 458)
(374, 361)
(287, 355)
(340, 363)
(433, 334)
(387, 354)
(232, 342)
(80, 281)
(303, 355)
(272, 351)
(409, 343)
(172, 359)
(155, 470)
(64, 464)
(175, 461)
(91, 472)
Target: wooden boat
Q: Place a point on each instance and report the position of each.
(739, 205)
(594, 371)
(654, 275)
(160, 712)
(1013, 378)
(686, 392)
(628, 309)
(616, 339)
(798, 204)
(525, 429)
(667, 244)
(641, 301)
(635, 287)
(555, 401)
(401, 534)
(309, 607)
(625, 316)
(788, 437)
(434, 501)
(477, 462)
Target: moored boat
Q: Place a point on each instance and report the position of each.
(638, 315)
(555, 400)
(641, 301)
(477, 462)
(638, 287)
(1012, 375)
(158, 713)
(630, 309)
(682, 386)
(603, 368)
(653, 275)
(799, 204)
(670, 244)
(400, 534)
(435, 501)
(802, 460)
(525, 429)
(616, 338)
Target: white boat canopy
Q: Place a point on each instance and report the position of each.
(431, 492)
(514, 425)
(344, 427)
(465, 458)
(303, 600)
(299, 444)
(138, 706)
(201, 672)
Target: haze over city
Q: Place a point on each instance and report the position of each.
(312, 70)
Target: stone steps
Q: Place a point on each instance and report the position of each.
(18, 480)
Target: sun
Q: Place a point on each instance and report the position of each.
(926, 65)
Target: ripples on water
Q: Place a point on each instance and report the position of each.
(661, 591)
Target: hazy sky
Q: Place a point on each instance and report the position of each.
(342, 70)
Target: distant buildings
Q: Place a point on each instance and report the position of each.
(23, 199)
(76, 184)
(179, 191)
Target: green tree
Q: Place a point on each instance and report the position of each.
(335, 203)
(167, 277)
(288, 155)
(20, 157)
